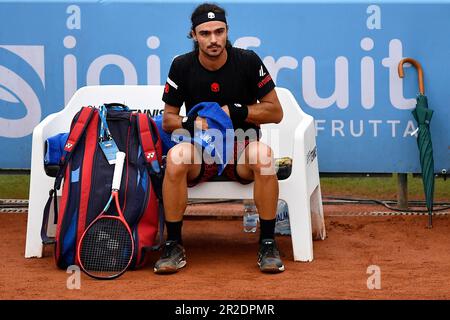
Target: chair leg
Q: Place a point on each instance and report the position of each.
(317, 218)
(39, 186)
(300, 221)
(34, 247)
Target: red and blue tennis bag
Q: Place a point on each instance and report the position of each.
(87, 176)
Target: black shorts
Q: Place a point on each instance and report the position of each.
(209, 172)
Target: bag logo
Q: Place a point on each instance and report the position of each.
(68, 146)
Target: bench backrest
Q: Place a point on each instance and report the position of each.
(148, 97)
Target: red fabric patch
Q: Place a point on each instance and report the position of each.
(215, 87)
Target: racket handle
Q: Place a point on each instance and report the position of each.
(117, 177)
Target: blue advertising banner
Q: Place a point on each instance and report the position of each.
(339, 59)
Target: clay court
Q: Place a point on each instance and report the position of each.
(414, 262)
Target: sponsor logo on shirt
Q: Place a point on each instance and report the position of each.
(261, 72)
(215, 87)
(173, 84)
(263, 82)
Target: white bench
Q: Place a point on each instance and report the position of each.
(294, 137)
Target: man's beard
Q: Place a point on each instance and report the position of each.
(217, 53)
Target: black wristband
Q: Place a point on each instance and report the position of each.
(189, 123)
(238, 114)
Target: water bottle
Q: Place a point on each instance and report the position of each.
(282, 225)
(251, 216)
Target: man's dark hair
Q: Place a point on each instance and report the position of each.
(201, 9)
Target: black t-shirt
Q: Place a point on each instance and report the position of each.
(242, 79)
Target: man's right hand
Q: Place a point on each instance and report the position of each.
(201, 123)
(194, 122)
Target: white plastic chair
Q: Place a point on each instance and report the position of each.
(294, 137)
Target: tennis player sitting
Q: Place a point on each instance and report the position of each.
(239, 82)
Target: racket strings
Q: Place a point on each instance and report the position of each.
(106, 249)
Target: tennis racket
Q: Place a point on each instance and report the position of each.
(106, 247)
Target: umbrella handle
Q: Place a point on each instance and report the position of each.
(416, 64)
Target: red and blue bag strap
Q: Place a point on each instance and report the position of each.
(77, 130)
(148, 147)
(153, 161)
